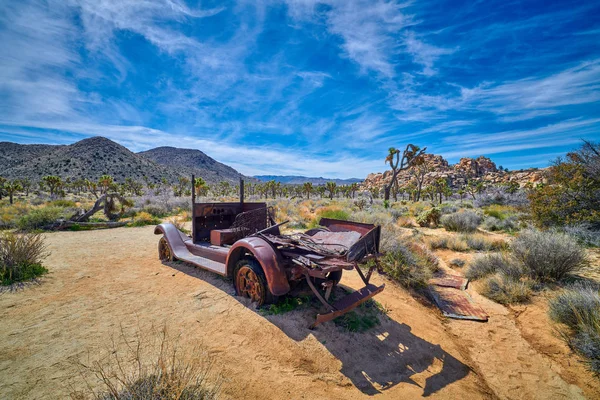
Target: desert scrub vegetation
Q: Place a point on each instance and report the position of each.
(466, 242)
(548, 256)
(430, 217)
(465, 221)
(577, 308)
(21, 257)
(148, 365)
(143, 218)
(533, 258)
(409, 263)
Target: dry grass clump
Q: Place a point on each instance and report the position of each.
(149, 366)
(578, 309)
(466, 221)
(143, 218)
(448, 242)
(481, 242)
(548, 255)
(505, 289)
(457, 263)
(405, 222)
(21, 257)
(488, 264)
(409, 263)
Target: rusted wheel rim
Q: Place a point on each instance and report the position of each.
(249, 285)
(164, 252)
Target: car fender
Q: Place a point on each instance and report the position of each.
(269, 259)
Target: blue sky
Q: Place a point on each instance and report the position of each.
(305, 87)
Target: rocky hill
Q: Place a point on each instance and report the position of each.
(188, 161)
(457, 175)
(93, 157)
(298, 180)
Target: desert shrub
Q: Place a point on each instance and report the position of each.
(466, 221)
(405, 222)
(508, 224)
(483, 243)
(505, 289)
(457, 263)
(156, 210)
(39, 218)
(143, 218)
(330, 212)
(448, 209)
(149, 366)
(409, 265)
(21, 256)
(548, 255)
(398, 212)
(489, 264)
(63, 203)
(448, 242)
(429, 217)
(586, 234)
(578, 308)
(501, 196)
(10, 214)
(577, 303)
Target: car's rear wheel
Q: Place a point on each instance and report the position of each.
(164, 251)
(250, 281)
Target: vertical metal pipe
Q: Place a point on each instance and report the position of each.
(242, 193)
(193, 208)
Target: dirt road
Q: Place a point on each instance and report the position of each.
(102, 280)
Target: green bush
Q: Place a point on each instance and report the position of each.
(143, 218)
(363, 318)
(429, 217)
(466, 221)
(21, 256)
(484, 243)
(63, 203)
(548, 255)
(334, 214)
(39, 218)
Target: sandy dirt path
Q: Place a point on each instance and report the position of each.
(103, 280)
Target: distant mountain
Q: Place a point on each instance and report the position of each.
(297, 180)
(188, 161)
(87, 159)
(93, 157)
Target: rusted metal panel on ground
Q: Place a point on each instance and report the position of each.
(456, 303)
(452, 281)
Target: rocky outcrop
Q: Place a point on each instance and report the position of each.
(457, 175)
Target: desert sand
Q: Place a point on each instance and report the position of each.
(102, 281)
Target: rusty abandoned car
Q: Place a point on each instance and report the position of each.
(240, 240)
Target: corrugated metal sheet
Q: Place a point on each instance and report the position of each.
(456, 303)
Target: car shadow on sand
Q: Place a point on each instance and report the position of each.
(374, 360)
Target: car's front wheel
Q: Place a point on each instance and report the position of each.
(250, 281)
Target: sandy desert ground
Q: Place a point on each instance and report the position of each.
(103, 280)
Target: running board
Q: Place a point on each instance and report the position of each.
(348, 303)
(202, 262)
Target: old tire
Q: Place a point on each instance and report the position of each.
(335, 276)
(164, 251)
(250, 281)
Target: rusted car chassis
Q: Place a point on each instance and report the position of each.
(241, 241)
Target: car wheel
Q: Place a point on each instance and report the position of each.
(164, 251)
(250, 281)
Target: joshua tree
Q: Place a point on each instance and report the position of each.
(11, 188)
(200, 186)
(321, 190)
(182, 184)
(399, 163)
(331, 187)
(307, 188)
(104, 183)
(474, 187)
(53, 183)
(26, 184)
(2, 183)
(441, 188)
(353, 189)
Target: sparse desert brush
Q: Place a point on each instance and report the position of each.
(401, 264)
(405, 222)
(457, 263)
(505, 289)
(179, 224)
(62, 203)
(10, 214)
(585, 233)
(578, 308)
(508, 224)
(333, 212)
(466, 221)
(481, 242)
(149, 365)
(488, 264)
(143, 218)
(21, 257)
(548, 255)
(39, 218)
(448, 242)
